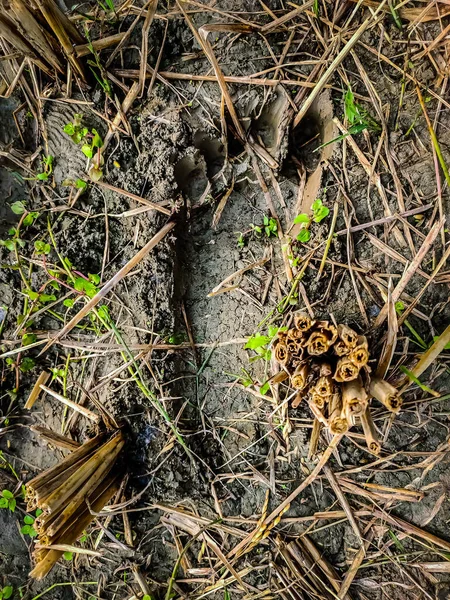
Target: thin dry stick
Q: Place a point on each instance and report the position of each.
(391, 337)
(73, 405)
(101, 44)
(423, 289)
(111, 284)
(334, 65)
(410, 270)
(126, 105)
(34, 394)
(383, 220)
(329, 240)
(55, 439)
(144, 47)
(247, 80)
(344, 502)
(351, 573)
(286, 17)
(148, 203)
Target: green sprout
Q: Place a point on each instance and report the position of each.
(28, 527)
(6, 592)
(91, 144)
(7, 500)
(320, 212)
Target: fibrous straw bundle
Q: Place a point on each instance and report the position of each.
(69, 493)
(328, 366)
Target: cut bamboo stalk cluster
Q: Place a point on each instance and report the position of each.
(42, 33)
(328, 366)
(69, 493)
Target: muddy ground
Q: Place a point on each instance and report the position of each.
(180, 154)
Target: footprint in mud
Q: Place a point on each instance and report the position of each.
(69, 161)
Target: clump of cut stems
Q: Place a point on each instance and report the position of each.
(70, 493)
(328, 366)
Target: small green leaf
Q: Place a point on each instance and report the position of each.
(28, 338)
(9, 244)
(28, 520)
(80, 184)
(103, 313)
(42, 176)
(7, 592)
(94, 278)
(264, 388)
(44, 298)
(69, 128)
(68, 555)
(31, 294)
(18, 208)
(38, 512)
(25, 529)
(303, 218)
(304, 236)
(321, 214)
(26, 364)
(86, 149)
(3, 503)
(68, 302)
(97, 142)
(257, 341)
(7, 494)
(28, 220)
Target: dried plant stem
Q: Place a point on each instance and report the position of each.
(73, 405)
(56, 439)
(34, 394)
(370, 433)
(343, 501)
(433, 136)
(335, 64)
(385, 393)
(109, 458)
(50, 557)
(44, 478)
(411, 269)
(55, 501)
(315, 437)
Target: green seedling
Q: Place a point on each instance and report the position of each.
(75, 129)
(68, 556)
(395, 15)
(108, 5)
(417, 381)
(270, 227)
(358, 118)
(91, 144)
(47, 162)
(6, 592)
(240, 240)
(7, 500)
(400, 307)
(316, 8)
(95, 65)
(320, 212)
(259, 343)
(28, 526)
